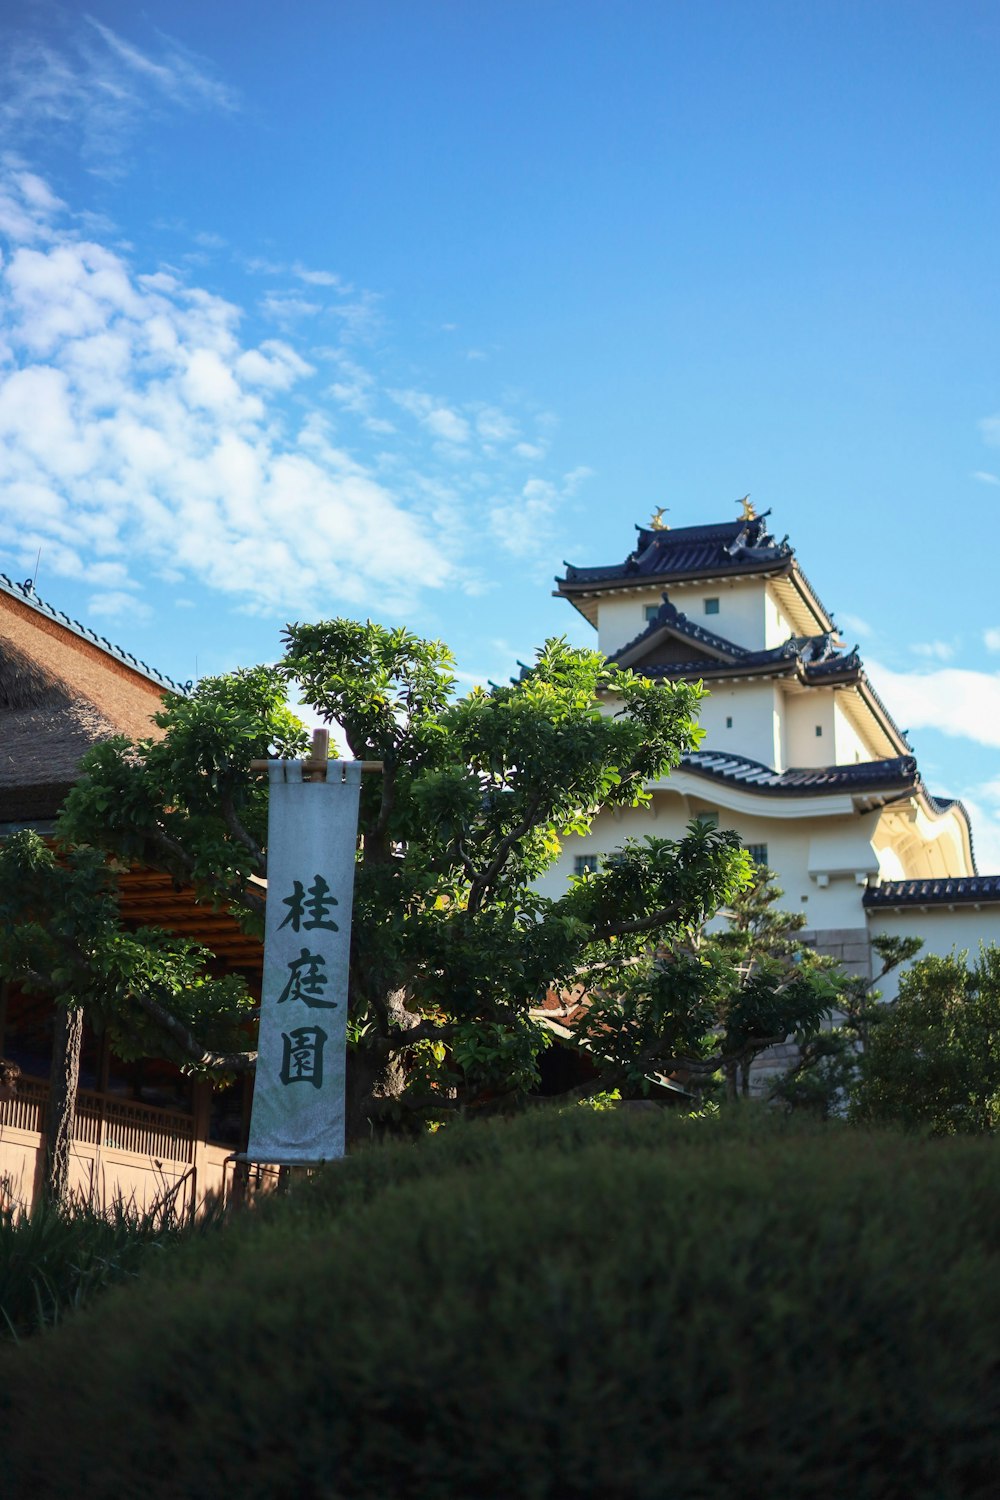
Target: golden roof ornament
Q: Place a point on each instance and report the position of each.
(749, 514)
(657, 523)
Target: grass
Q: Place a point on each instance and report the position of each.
(55, 1258)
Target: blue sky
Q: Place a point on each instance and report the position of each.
(388, 308)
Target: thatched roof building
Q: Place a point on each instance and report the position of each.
(63, 688)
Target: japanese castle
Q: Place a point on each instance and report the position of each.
(800, 756)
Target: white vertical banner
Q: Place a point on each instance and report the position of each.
(298, 1097)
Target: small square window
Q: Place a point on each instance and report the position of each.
(729, 721)
(650, 612)
(819, 731)
(710, 816)
(758, 853)
(711, 606)
(584, 864)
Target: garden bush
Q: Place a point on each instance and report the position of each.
(567, 1306)
(57, 1256)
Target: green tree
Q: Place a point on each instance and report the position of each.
(825, 1074)
(707, 1003)
(933, 1056)
(452, 943)
(61, 936)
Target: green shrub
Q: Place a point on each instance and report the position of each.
(56, 1257)
(579, 1306)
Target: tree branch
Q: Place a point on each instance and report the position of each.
(481, 883)
(652, 919)
(388, 799)
(238, 832)
(219, 1062)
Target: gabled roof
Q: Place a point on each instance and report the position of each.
(24, 593)
(956, 890)
(799, 656)
(815, 660)
(727, 549)
(818, 657)
(670, 621)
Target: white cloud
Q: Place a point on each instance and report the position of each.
(95, 88)
(521, 522)
(273, 364)
(495, 426)
(287, 308)
(982, 803)
(440, 419)
(985, 478)
(991, 639)
(139, 430)
(117, 605)
(317, 278)
(856, 624)
(954, 700)
(934, 650)
(131, 428)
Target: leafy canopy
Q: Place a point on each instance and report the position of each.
(453, 944)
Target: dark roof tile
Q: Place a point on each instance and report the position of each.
(729, 547)
(951, 891)
(738, 770)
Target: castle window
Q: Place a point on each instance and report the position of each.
(711, 606)
(650, 612)
(729, 721)
(584, 864)
(819, 731)
(758, 853)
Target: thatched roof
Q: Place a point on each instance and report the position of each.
(40, 753)
(26, 684)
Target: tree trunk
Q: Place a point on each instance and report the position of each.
(372, 1078)
(732, 1087)
(63, 1086)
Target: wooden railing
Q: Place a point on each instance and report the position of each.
(102, 1120)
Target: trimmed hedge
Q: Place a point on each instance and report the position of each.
(558, 1308)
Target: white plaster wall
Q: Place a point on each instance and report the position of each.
(942, 931)
(741, 609)
(802, 713)
(850, 747)
(756, 727)
(777, 626)
(793, 847)
(620, 619)
(748, 614)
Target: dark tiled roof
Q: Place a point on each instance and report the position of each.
(728, 547)
(815, 657)
(25, 594)
(953, 891)
(897, 773)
